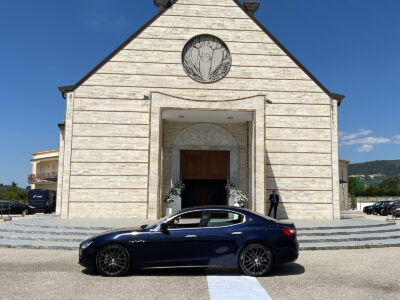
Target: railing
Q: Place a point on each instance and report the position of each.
(52, 176)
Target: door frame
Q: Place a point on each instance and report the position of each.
(255, 104)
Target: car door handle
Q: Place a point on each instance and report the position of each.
(237, 232)
(191, 236)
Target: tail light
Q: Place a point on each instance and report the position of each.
(47, 202)
(289, 231)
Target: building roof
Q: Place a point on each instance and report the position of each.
(70, 88)
(46, 151)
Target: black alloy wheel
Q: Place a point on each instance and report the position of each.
(255, 260)
(113, 260)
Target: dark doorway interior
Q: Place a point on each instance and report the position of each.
(205, 174)
(199, 192)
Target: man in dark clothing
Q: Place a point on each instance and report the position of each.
(274, 199)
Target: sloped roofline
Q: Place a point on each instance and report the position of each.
(71, 88)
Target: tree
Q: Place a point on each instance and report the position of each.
(16, 193)
(352, 185)
(389, 184)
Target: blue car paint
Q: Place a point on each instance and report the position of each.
(215, 246)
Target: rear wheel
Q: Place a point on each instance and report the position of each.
(113, 260)
(255, 260)
(24, 212)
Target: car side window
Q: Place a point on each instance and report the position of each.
(223, 218)
(188, 220)
(14, 204)
(6, 204)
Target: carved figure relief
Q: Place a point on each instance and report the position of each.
(206, 58)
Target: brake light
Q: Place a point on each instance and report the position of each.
(47, 202)
(289, 231)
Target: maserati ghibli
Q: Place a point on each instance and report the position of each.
(212, 236)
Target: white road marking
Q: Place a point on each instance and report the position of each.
(235, 288)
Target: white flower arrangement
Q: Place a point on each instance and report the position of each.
(239, 197)
(174, 192)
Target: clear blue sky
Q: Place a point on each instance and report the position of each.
(351, 46)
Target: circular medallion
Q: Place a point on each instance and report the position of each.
(206, 58)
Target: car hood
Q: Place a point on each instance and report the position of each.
(134, 229)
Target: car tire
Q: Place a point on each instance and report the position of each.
(113, 260)
(255, 260)
(383, 212)
(24, 212)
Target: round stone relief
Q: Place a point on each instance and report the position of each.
(206, 58)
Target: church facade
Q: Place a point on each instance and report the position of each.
(203, 93)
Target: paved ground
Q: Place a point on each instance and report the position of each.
(333, 274)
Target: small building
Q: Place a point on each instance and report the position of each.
(203, 93)
(44, 170)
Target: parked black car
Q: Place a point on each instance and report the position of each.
(394, 207)
(13, 207)
(385, 208)
(377, 208)
(396, 211)
(210, 236)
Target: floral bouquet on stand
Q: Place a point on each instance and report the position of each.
(239, 198)
(173, 195)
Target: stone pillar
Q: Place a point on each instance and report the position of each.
(34, 167)
(66, 169)
(60, 171)
(335, 161)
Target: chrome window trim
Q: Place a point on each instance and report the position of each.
(157, 228)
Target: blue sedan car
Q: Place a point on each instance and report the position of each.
(204, 236)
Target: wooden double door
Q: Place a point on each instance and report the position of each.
(205, 175)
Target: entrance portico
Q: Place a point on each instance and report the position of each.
(203, 126)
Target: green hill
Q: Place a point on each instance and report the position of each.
(388, 168)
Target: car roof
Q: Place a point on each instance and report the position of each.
(217, 207)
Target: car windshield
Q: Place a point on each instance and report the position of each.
(155, 223)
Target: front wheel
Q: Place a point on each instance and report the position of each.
(24, 212)
(255, 260)
(113, 260)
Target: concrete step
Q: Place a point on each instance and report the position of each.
(55, 238)
(88, 228)
(370, 231)
(338, 235)
(351, 214)
(354, 238)
(48, 232)
(372, 225)
(8, 243)
(351, 245)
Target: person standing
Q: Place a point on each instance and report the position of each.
(274, 200)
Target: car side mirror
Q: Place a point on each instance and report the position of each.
(164, 227)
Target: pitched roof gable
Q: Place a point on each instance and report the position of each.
(70, 88)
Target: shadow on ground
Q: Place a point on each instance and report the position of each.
(280, 270)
